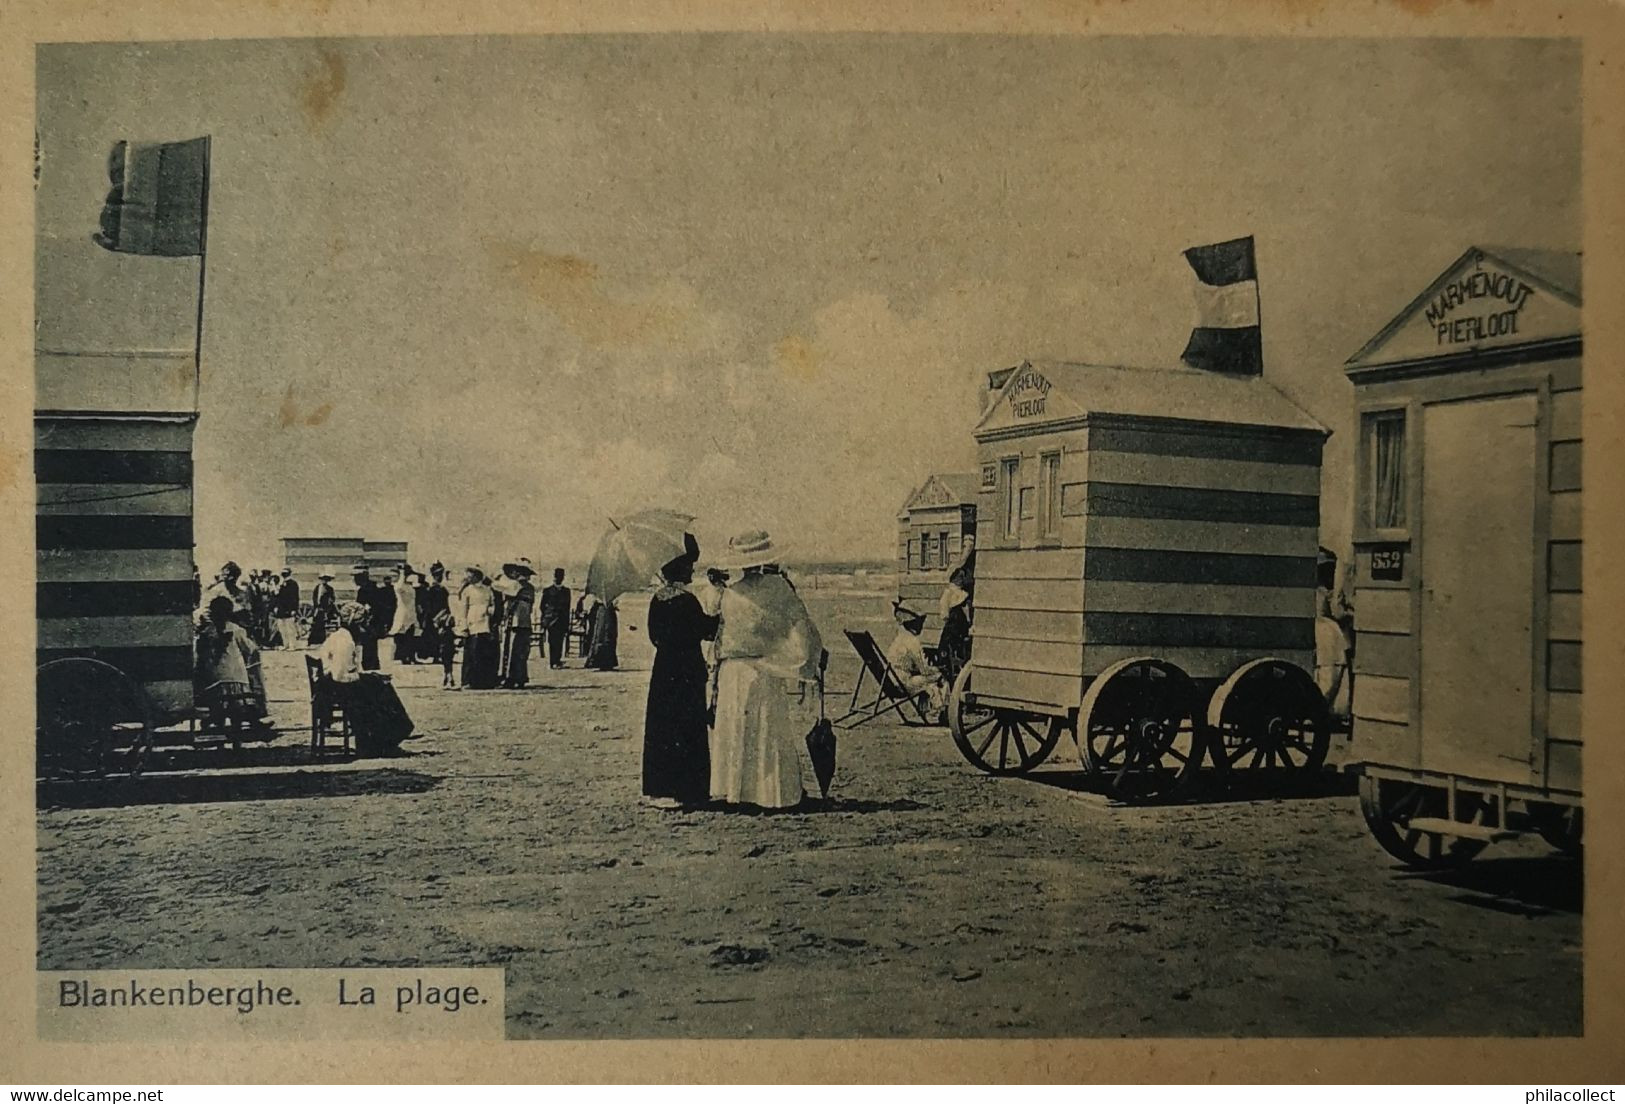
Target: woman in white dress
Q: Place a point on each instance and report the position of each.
(768, 652)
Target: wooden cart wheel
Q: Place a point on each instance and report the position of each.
(1138, 733)
(91, 719)
(1562, 826)
(1389, 805)
(1269, 716)
(997, 740)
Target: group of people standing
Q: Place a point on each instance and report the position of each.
(729, 731)
(493, 620)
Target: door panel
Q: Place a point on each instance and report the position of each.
(1478, 516)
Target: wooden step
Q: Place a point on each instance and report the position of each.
(1443, 826)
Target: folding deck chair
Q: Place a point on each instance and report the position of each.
(890, 697)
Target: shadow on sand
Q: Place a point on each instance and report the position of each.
(248, 785)
(1523, 885)
(1213, 788)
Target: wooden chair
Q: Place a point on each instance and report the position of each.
(327, 718)
(890, 697)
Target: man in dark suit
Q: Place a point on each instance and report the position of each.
(556, 618)
(371, 595)
(285, 607)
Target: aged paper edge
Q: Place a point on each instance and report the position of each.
(1595, 1057)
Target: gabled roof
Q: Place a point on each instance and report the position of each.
(1555, 272)
(1556, 267)
(1187, 394)
(943, 489)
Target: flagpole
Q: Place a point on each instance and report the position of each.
(202, 270)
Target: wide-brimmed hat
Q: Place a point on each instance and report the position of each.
(287, 571)
(325, 573)
(520, 566)
(353, 613)
(359, 569)
(753, 548)
(905, 613)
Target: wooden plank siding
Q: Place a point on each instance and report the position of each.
(1200, 544)
(113, 560)
(1386, 657)
(1564, 553)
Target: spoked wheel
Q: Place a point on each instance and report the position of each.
(1390, 805)
(1138, 735)
(92, 719)
(1269, 716)
(997, 740)
(1562, 826)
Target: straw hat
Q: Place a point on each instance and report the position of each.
(325, 573)
(753, 548)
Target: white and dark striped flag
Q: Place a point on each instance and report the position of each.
(1226, 338)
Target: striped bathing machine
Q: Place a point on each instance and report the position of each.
(1145, 578)
(114, 586)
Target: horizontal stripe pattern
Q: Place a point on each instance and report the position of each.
(167, 499)
(1255, 447)
(1201, 598)
(1201, 504)
(1163, 566)
(1183, 535)
(112, 532)
(111, 433)
(113, 599)
(1167, 630)
(111, 466)
(136, 565)
(144, 665)
(115, 632)
(1197, 662)
(1196, 471)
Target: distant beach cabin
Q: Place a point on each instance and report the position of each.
(935, 527)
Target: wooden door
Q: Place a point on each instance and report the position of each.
(1477, 586)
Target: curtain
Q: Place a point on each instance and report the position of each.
(1388, 492)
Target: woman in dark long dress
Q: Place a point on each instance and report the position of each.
(601, 639)
(676, 751)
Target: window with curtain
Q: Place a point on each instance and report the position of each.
(1385, 467)
(927, 553)
(942, 549)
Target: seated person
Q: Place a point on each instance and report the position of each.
(377, 719)
(906, 654)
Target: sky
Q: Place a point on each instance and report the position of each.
(482, 294)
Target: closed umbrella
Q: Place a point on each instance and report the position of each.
(634, 549)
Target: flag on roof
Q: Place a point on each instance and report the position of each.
(157, 201)
(1226, 337)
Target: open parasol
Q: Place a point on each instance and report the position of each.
(634, 549)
